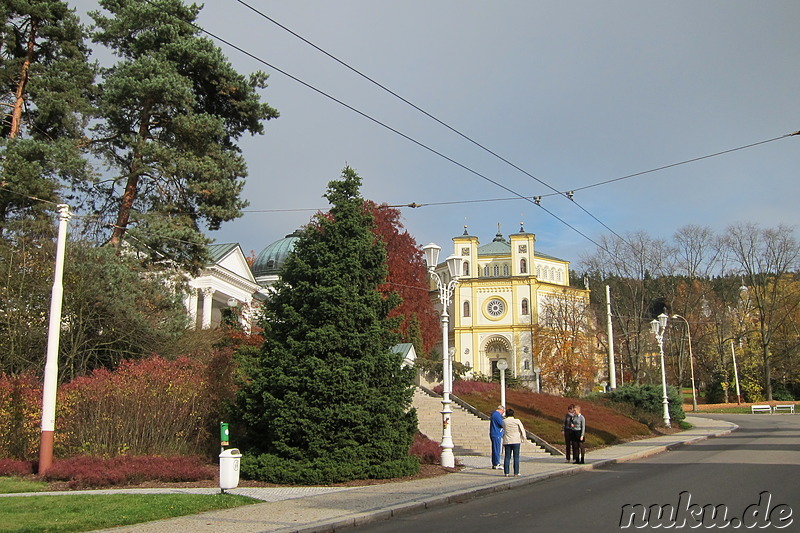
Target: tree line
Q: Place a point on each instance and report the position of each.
(738, 291)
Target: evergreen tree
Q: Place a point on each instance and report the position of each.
(46, 83)
(172, 110)
(327, 400)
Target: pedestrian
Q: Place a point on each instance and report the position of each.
(513, 435)
(496, 435)
(578, 436)
(567, 429)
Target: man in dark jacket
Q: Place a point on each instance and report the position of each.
(496, 434)
(567, 430)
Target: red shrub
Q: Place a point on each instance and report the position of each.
(87, 472)
(14, 467)
(428, 451)
(148, 407)
(20, 416)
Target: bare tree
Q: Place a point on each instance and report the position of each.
(634, 267)
(765, 258)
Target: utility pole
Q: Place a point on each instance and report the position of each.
(612, 369)
(53, 337)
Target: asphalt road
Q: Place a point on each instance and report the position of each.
(754, 473)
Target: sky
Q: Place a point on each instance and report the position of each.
(573, 93)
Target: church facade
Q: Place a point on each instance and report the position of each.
(498, 306)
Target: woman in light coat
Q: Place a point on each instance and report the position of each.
(513, 435)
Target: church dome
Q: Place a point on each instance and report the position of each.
(271, 259)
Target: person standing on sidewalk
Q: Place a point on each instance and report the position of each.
(496, 435)
(567, 429)
(513, 435)
(578, 436)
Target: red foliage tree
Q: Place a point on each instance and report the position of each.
(408, 277)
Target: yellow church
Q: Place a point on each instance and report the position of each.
(503, 290)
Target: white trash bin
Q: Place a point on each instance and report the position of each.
(229, 469)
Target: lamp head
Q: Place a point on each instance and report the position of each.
(431, 254)
(654, 326)
(662, 320)
(454, 265)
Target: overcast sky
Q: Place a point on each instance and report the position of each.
(574, 93)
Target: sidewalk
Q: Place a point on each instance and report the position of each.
(318, 509)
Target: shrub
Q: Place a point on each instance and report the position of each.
(20, 416)
(649, 398)
(322, 470)
(147, 407)
(88, 472)
(428, 452)
(15, 467)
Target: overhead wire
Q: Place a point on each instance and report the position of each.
(569, 194)
(378, 122)
(429, 115)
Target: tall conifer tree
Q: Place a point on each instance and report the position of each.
(327, 400)
(172, 110)
(46, 82)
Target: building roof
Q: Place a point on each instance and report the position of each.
(271, 259)
(218, 251)
(498, 246)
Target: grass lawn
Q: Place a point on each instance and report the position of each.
(77, 512)
(9, 485)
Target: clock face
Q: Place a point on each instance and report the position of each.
(495, 307)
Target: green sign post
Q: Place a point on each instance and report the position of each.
(224, 435)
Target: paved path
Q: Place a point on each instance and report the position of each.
(319, 509)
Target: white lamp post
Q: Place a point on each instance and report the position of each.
(538, 372)
(502, 365)
(658, 326)
(445, 294)
(691, 361)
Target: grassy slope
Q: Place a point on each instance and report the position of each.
(543, 414)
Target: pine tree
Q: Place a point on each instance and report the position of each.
(172, 110)
(327, 400)
(46, 83)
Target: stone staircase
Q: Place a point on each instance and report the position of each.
(470, 433)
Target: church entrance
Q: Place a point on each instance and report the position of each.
(497, 349)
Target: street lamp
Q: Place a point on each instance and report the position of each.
(502, 365)
(537, 370)
(691, 361)
(445, 294)
(658, 326)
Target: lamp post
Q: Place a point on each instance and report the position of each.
(691, 361)
(445, 294)
(537, 370)
(502, 365)
(658, 326)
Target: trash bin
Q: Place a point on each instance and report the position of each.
(229, 469)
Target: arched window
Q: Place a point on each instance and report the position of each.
(466, 268)
(524, 306)
(559, 276)
(486, 271)
(497, 270)
(505, 270)
(523, 266)
(466, 308)
(538, 271)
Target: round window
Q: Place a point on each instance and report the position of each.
(495, 307)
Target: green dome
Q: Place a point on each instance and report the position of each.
(271, 259)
